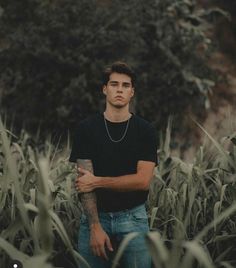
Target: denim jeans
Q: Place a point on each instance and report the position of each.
(117, 225)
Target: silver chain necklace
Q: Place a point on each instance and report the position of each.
(109, 135)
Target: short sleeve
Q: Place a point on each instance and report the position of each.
(81, 144)
(148, 145)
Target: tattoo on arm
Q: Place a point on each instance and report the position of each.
(88, 200)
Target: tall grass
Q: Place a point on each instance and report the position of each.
(191, 206)
(37, 205)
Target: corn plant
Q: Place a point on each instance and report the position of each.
(192, 206)
(37, 205)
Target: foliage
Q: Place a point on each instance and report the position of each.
(225, 29)
(52, 54)
(196, 202)
(191, 206)
(38, 205)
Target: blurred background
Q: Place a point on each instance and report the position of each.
(52, 53)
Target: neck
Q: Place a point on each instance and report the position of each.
(117, 115)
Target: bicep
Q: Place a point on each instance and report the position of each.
(146, 169)
(85, 163)
(148, 145)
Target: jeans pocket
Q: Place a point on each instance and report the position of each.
(139, 216)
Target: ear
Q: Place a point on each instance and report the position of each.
(104, 90)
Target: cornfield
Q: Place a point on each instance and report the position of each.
(191, 207)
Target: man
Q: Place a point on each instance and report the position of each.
(116, 155)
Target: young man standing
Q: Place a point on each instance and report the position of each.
(116, 153)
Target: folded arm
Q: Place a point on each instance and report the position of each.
(131, 182)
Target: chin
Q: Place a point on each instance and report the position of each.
(119, 106)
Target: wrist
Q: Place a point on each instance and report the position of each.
(97, 183)
(95, 226)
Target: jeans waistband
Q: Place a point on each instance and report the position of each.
(119, 213)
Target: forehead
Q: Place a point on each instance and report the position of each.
(120, 77)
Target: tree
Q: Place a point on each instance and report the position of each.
(51, 68)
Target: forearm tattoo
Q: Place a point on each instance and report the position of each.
(88, 200)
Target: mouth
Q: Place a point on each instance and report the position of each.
(119, 98)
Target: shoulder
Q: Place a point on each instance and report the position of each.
(145, 129)
(142, 123)
(90, 121)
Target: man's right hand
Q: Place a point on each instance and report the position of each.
(99, 240)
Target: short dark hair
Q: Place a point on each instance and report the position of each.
(121, 68)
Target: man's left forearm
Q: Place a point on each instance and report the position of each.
(130, 182)
(138, 181)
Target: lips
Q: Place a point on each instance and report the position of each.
(119, 97)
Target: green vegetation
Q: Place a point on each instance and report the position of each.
(52, 54)
(39, 210)
(191, 206)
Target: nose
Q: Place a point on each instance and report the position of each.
(119, 88)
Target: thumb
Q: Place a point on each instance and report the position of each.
(108, 244)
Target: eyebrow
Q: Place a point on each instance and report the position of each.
(113, 82)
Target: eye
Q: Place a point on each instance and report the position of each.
(126, 85)
(113, 84)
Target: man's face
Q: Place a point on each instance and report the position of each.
(119, 90)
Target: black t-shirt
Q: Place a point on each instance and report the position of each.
(114, 159)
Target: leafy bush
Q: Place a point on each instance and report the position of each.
(52, 54)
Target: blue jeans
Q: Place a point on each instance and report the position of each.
(117, 225)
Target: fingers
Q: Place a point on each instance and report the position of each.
(76, 183)
(103, 253)
(79, 185)
(108, 243)
(83, 188)
(100, 251)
